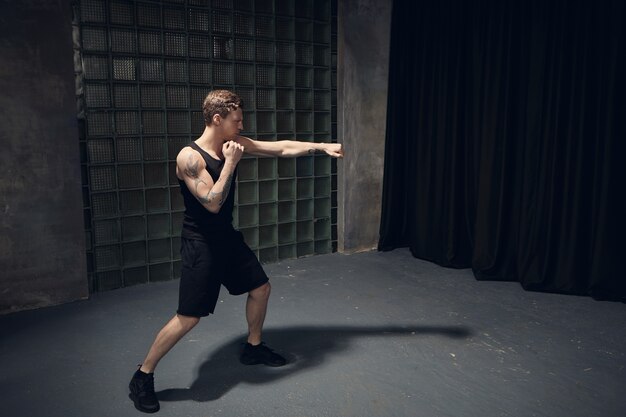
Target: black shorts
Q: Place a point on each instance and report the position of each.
(206, 265)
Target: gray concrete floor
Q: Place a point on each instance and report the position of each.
(371, 334)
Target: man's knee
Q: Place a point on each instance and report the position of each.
(188, 322)
(262, 292)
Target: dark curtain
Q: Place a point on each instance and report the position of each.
(506, 125)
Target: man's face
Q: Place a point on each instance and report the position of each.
(232, 124)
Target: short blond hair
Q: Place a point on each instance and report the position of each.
(220, 102)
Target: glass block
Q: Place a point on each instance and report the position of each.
(251, 237)
(107, 257)
(286, 211)
(129, 176)
(124, 69)
(265, 98)
(222, 4)
(304, 122)
(178, 122)
(322, 122)
(268, 236)
(95, 67)
(155, 174)
(123, 41)
(223, 73)
(125, 95)
(95, 39)
(174, 18)
(321, 78)
(265, 122)
(176, 267)
(284, 28)
(321, 100)
(284, 99)
(131, 202)
(321, 33)
(177, 96)
(100, 151)
(151, 69)
(286, 233)
(235, 216)
(102, 178)
(247, 169)
(268, 255)
(321, 55)
(265, 75)
(322, 187)
(175, 44)
(304, 100)
(157, 199)
(284, 7)
(266, 168)
(160, 272)
(284, 122)
(264, 6)
(286, 167)
(322, 9)
(286, 189)
(244, 49)
(108, 280)
(249, 123)
(148, 15)
(322, 247)
(322, 229)
(287, 252)
(200, 73)
(159, 250)
(244, 74)
(304, 188)
(285, 76)
(153, 122)
(285, 52)
(304, 166)
(222, 22)
(304, 30)
(133, 228)
(248, 215)
(244, 25)
(304, 231)
(176, 199)
(176, 71)
(158, 225)
(222, 48)
(134, 253)
(93, 11)
(321, 208)
(247, 95)
(106, 231)
(200, 46)
(99, 124)
(198, 20)
(174, 146)
(247, 193)
(127, 122)
(304, 209)
(321, 165)
(176, 226)
(97, 95)
(134, 276)
(268, 191)
(304, 77)
(304, 8)
(104, 205)
(264, 27)
(128, 149)
(154, 148)
(264, 51)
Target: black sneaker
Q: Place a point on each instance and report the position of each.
(142, 392)
(253, 355)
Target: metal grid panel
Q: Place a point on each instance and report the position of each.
(146, 68)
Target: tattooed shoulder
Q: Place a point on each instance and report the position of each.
(191, 167)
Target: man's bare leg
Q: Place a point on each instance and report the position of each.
(169, 335)
(256, 307)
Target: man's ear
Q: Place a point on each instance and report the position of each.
(217, 119)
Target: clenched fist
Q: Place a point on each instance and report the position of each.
(232, 151)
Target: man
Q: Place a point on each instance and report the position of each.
(213, 253)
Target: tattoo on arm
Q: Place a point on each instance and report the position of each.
(311, 151)
(211, 195)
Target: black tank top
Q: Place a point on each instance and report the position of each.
(198, 222)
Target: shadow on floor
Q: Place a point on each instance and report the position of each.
(303, 347)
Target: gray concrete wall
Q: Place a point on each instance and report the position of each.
(42, 240)
(362, 72)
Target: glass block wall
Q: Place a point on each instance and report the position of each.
(142, 71)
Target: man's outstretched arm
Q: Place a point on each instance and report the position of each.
(289, 148)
